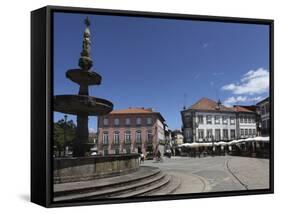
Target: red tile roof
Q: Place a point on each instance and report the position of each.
(207, 104)
(242, 109)
(133, 111)
(137, 111)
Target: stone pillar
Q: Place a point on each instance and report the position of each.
(84, 89)
(82, 135)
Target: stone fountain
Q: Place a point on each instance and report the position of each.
(82, 104)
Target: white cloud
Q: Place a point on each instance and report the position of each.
(253, 82)
(197, 76)
(241, 99)
(91, 130)
(218, 73)
(205, 45)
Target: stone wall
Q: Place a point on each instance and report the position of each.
(87, 168)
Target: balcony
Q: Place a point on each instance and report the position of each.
(116, 144)
(128, 142)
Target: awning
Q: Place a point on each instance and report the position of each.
(222, 143)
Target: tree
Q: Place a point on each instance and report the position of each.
(64, 134)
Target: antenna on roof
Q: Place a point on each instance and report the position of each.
(184, 101)
(216, 92)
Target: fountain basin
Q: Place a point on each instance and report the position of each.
(82, 105)
(83, 77)
(74, 169)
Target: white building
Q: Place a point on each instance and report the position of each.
(264, 110)
(207, 121)
(178, 137)
(246, 122)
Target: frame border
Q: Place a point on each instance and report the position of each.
(49, 103)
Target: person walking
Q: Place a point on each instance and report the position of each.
(159, 158)
(141, 157)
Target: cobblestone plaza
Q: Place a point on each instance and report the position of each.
(215, 174)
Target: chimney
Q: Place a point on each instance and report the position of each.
(218, 105)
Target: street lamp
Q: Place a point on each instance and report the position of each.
(212, 136)
(64, 134)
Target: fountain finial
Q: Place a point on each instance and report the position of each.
(85, 61)
(87, 22)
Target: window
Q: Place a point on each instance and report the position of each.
(200, 119)
(138, 122)
(232, 120)
(149, 121)
(116, 138)
(217, 119)
(263, 110)
(242, 132)
(250, 120)
(241, 119)
(105, 121)
(224, 120)
(253, 120)
(105, 138)
(266, 107)
(200, 133)
(127, 121)
(116, 121)
(254, 132)
(209, 133)
(246, 120)
(117, 151)
(209, 119)
(127, 137)
(264, 124)
(246, 132)
(149, 136)
(225, 134)
(138, 137)
(217, 134)
(267, 124)
(250, 132)
(232, 133)
(188, 120)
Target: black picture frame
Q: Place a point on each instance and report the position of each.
(42, 102)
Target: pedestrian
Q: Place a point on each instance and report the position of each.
(159, 156)
(141, 157)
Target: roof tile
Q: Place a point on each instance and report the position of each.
(133, 111)
(242, 109)
(207, 104)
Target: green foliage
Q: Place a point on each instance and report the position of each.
(64, 134)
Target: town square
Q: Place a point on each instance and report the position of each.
(174, 132)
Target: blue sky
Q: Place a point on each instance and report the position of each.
(164, 64)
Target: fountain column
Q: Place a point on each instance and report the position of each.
(82, 104)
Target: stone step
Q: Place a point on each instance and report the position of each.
(65, 189)
(132, 186)
(172, 186)
(145, 190)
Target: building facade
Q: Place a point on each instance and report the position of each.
(210, 121)
(177, 137)
(264, 111)
(247, 122)
(132, 130)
